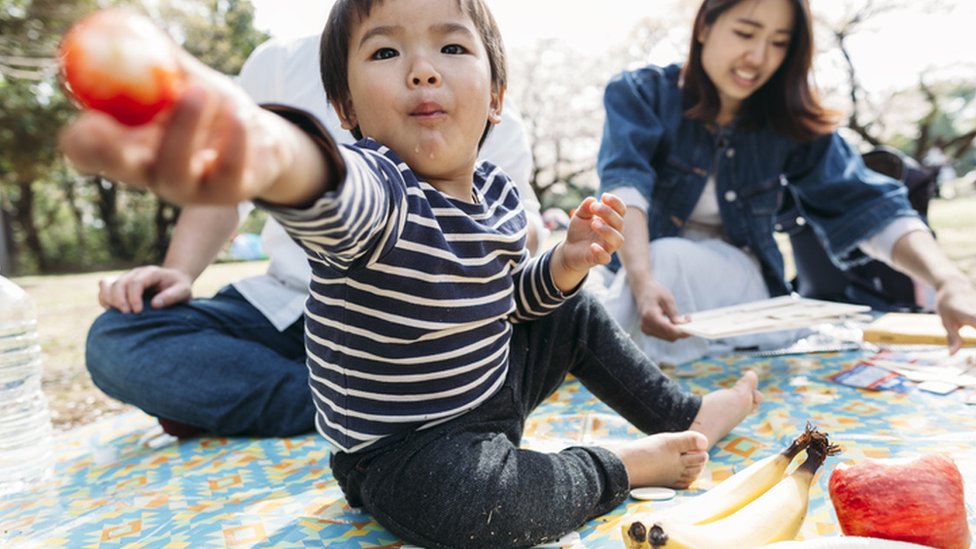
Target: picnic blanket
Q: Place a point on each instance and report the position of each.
(115, 486)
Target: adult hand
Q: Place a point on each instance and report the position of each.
(955, 302)
(658, 313)
(126, 292)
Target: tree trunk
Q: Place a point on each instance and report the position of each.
(165, 218)
(25, 218)
(108, 209)
(69, 192)
(8, 254)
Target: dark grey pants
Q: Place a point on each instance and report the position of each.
(466, 483)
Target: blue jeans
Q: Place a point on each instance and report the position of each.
(466, 483)
(214, 363)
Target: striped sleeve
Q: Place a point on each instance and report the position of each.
(536, 294)
(343, 226)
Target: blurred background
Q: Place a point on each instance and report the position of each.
(903, 72)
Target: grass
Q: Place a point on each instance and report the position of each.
(68, 304)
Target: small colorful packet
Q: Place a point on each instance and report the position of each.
(875, 378)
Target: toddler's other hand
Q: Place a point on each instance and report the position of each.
(594, 232)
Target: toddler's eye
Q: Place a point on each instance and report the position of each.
(384, 53)
(453, 49)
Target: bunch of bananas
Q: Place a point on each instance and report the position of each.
(754, 507)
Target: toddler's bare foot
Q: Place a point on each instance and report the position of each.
(724, 409)
(663, 459)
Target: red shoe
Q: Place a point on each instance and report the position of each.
(177, 429)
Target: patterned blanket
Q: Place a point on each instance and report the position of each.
(117, 483)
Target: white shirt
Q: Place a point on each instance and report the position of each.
(706, 210)
(287, 72)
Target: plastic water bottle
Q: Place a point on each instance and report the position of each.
(26, 453)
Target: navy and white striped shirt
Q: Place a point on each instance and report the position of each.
(413, 295)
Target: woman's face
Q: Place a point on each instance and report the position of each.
(744, 47)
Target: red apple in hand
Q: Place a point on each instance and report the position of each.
(917, 500)
(118, 62)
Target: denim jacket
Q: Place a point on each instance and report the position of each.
(649, 145)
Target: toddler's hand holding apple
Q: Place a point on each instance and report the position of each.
(174, 125)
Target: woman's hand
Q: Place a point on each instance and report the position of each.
(917, 254)
(955, 302)
(658, 313)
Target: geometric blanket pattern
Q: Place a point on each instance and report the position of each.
(115, 484)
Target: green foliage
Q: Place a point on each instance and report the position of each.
(218, 32)
(950, 124)
(59, 221)
(254, 222)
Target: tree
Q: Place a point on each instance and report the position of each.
(32, 108)
(51, 219)
(559, 92)
(938, 112)
(220, 33)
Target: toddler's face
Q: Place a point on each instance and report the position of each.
(420, 83)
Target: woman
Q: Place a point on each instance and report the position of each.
(703, 153)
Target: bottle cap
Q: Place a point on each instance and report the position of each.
(652, 493)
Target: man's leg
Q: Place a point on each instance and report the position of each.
(216, 364)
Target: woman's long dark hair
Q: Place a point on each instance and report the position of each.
(787, 102)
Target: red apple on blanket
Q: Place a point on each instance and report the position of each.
(118, 62)
(917, 500)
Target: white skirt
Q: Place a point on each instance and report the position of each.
(701, 274)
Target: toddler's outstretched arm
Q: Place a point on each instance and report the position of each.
(594, 234)
(213, 146)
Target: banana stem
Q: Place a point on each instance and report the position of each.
(818, 448)
(799, 443)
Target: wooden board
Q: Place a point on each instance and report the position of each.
(913, 328)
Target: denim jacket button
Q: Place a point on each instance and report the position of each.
(730, 196)
(800, 221)
(730, 153)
